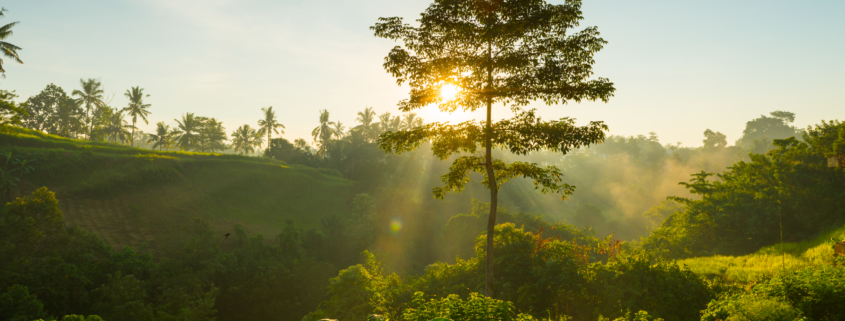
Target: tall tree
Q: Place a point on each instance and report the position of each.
(269, 124)
(245, 139)
(324, 132)
(765, 129)
(211, 135)
(137, 108)
(186, 138)
(367, 127)
(40, 108)
(411, 120)
(510, 52)
(117, 128)
(163, 136)
(384, 122)
(11, 113)
(90, 96)
(9, 50)
(366, 117)
(66, 119)
(714, 139)
(339, 130)
(302, 144)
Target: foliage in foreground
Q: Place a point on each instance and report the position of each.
(812, 293)
(47, 269)
(542, 277)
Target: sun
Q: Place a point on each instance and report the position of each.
(448, 92)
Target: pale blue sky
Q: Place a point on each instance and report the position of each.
(679, 67)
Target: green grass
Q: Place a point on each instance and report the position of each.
(164, 192)
(769, 260)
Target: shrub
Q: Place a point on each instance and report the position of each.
(475, 308)
(813, 292)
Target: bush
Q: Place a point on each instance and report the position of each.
(17, 304)
(815, 293)
(475, 308)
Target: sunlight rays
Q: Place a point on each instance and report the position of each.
(449, 91)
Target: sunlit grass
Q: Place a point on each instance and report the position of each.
(767, 261)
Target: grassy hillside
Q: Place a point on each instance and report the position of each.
(768, 261)
(143, 198)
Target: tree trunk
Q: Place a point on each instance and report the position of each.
(88, 111)
(491, 177)
(91, 119)
(132, 138)
(494, 193)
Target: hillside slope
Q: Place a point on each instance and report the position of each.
(769, 260)
(143, 198)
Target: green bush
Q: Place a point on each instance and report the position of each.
(814, 292)
(475, 308)
(17, 304)
(541, 277)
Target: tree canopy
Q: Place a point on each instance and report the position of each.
(487, 52)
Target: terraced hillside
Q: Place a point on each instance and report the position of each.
(144, 199)
(110, 219)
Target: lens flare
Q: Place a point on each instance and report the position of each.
(448, 91)
(395, 226)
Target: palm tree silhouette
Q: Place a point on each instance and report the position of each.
(366, 119)
(116, 127)
(136, 108)
(269, 125)
(339, 130)
(324, 133)
(411, 120)
(244, 140)
(90, 96)
(187, 131)
(163, 136)
(9, 50)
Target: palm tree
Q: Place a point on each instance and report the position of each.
(366, 119)
(136, 108)
(163, 136)
(187, 127)
(9, 50)
(212, 135)
(117, 128)
(411, 120)
(244, 140)
(269, 125)
(90, 96)
(384, 122)
(339, 129)
(324, 133)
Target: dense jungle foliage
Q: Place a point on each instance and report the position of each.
(198, 274)
(101, 221)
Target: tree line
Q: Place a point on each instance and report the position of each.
(87, 113)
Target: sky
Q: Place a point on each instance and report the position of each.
(680, 67)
